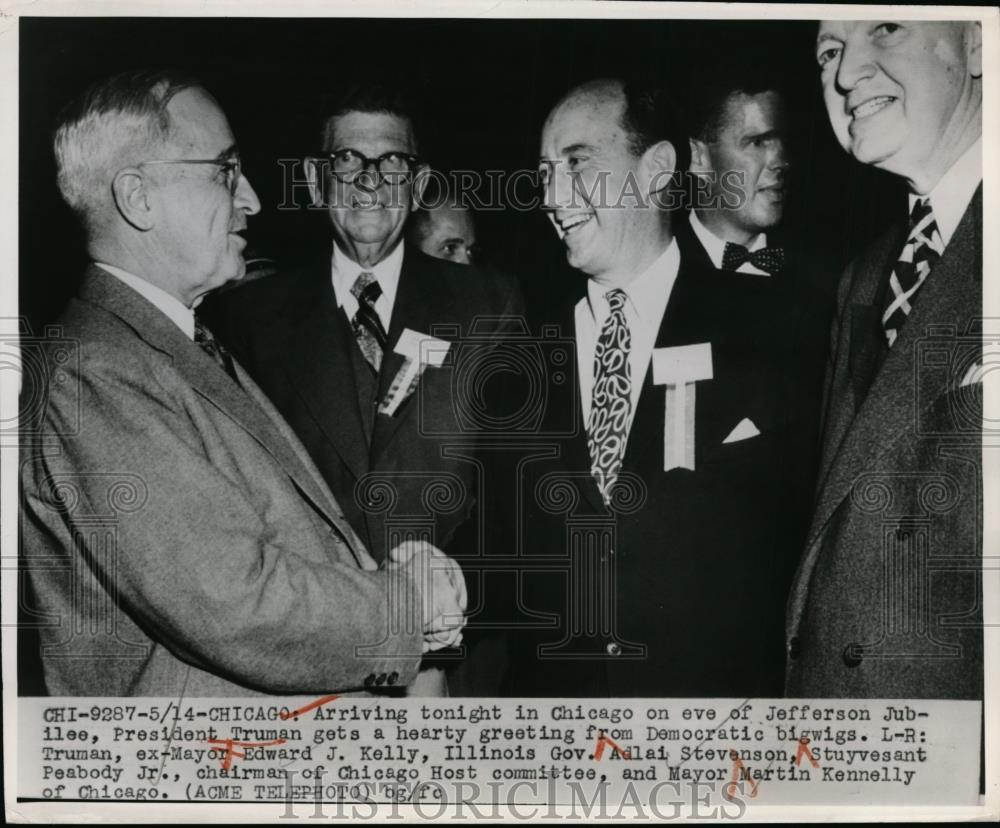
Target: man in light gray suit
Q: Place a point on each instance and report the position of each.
(179, 539)
(887, 599)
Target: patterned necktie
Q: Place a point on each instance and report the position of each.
(768, 259)
(368, 328)
(611, 403)
(207, 342)
(923, 248)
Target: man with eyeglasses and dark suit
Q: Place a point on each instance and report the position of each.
(333, 345)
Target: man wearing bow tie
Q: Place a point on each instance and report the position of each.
(887, 600)
(325, 342)
(739, 159)
(657, 543)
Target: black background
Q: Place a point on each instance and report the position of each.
(487, 86)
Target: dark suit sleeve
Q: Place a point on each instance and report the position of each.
(229, 574)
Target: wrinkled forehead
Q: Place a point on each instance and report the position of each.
(370, 132)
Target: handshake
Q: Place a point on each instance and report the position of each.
(441, 588)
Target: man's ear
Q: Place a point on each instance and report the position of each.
(661, 160)
(314, 181)
(132, 198)
(700, 161)
(974, 48)
(421, 179)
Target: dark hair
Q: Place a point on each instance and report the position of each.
(395, 98)
(713, 85)
(650, 116)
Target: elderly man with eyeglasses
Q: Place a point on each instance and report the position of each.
(173, 526)
(364, 350)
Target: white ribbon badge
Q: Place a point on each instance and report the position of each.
(418, 350)
(679, 369)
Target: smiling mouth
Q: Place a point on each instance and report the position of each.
(871, 106)
(567, 227)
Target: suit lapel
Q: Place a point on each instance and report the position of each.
(682, 324)
(568, 403)
(948, 298)
(325, 380)
(423, 300)
(205, 377)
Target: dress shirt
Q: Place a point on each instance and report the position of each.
(174, 309)
(951, 196)
(345, 272)
(647, 297)
(716, 247)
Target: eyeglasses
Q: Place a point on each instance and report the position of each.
(347, 164)
(232, 167)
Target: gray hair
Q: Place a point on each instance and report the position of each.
(114, 124)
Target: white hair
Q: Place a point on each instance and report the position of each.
(114, 124)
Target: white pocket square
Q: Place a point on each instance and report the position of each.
(974, 376)
(744, 431)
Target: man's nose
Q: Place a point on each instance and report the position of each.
(856, 64)
(778, 159)
(557, 188)
(245, 198)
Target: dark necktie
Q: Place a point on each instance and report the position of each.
(368, 328)
(768, 259)
(607, 429)
(923, 248)
(207, 342)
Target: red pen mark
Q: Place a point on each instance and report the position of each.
(740, 774)
(804, 751)
(230, 744)
(603, 740)
(311, 706)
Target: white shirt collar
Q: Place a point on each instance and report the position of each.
(344, 271)
(647, 293)
(951, 196)
(172, 307)
(716, 247)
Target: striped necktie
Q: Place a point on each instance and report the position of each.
(923, 248)
(367, 325)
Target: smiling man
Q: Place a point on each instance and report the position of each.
(901, 464)
(223, 565)
(325, 340)
(652, 557)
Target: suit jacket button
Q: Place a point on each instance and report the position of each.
(614, 649)
(393, 677)
(794, 648)
(852, 655)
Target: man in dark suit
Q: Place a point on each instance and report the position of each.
(887, 599)
(737, 126)
(330, 345)
(655, 536)
(737, 134)
(173, 526)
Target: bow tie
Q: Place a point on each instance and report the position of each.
(768, 259)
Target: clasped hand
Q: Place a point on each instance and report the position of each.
(441, 587)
